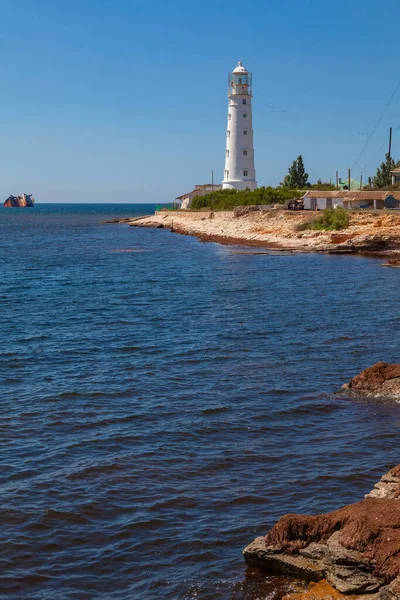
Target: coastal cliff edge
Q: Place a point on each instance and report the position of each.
(375, 232)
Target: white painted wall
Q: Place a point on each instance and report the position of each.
(239, 153)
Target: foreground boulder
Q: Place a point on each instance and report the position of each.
(354, 550)
(382, 379)
(22, 201)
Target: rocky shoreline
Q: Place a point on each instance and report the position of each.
(368, 232)
(356, 549)
(353, 552)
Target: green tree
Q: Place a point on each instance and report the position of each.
(228, 199)
(383, 177)
(297, 178)
(322, 185)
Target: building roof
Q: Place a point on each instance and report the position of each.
(197, 188)
(395, 171)
(354, 184)
(353, 195)
(239, 68)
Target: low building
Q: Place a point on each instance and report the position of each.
(319, 200)
(199, 190)
(395, 175)
(351, 200)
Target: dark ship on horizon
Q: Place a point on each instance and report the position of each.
(21, 201)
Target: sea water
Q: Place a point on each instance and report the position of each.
(165, 401)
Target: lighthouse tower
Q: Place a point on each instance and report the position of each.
(239, 152)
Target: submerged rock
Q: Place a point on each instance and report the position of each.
(324, 591)
(318, 591)
(392, 262)
(354, 550)
(22, 201)
(382, 379)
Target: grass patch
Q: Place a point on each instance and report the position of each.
(332, 219)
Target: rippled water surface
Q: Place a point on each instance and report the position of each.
(164, 401)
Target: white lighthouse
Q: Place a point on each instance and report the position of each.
(239, 171)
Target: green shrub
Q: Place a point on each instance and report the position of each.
(330, 220)
(323, 185)
(228, 199)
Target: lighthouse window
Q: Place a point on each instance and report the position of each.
(244, 101)
(226, 153)
(244, 152)
(244, 131)
(245, 173)
(228, 133)
(226, 174)
(229, 116)
(244, 115)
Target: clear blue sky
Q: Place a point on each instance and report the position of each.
(125, 101)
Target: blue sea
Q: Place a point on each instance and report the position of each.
(165, 401)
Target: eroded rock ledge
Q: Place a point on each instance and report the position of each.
(368, 232)
(382, 379)
(352, 551)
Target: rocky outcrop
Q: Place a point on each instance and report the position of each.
(272, 227)
(392, 262)
(382, 379)
(354, 550)
(22, 201)
(373, 243)
(388, 486)
(241, 211)
(150, 224)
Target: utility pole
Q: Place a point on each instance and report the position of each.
(348, 179)
(212, 188)
(337, 180)
(390, 143)
(361, 181)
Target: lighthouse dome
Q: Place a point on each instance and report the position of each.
(240, 68)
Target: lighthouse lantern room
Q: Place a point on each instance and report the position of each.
(239, 152)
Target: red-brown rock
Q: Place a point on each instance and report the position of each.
(356, 548)
(382, 379)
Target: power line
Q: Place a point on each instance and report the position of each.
(378, 151)
(377, 124)
(272, 108)
(373, 158)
